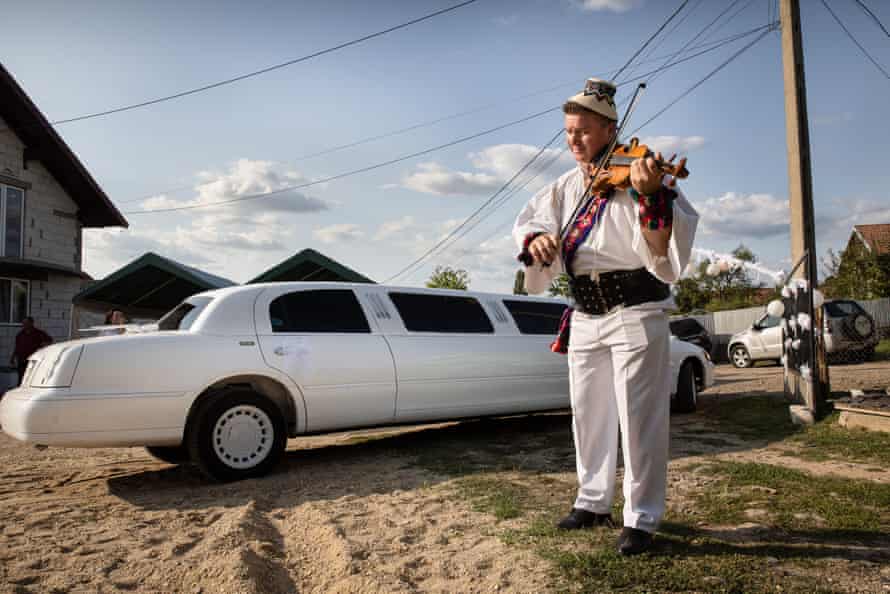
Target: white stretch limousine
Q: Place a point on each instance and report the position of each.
(230, 374)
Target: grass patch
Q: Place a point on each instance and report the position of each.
(882, 350)
(827, 439)
(754, 417)
(791, 551)
(792, 499)
(502, 499)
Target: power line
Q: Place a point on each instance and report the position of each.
(708, 47)
(241, 77)
(478, 210)
(501, 202)
(347, 173)
(708, 76)
(657, 44)
(648, 41)
(488, 201)
(716, 45)
(873, 16)
(768, 29)
(853, 39)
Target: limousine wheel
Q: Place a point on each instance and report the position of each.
(169, 454)
(687, 390)
(236, 434)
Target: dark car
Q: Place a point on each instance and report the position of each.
(690, 330)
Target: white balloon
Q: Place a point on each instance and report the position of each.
(713, 269)
(795, 344)
(775, 308)
(786, 292)
(804, 320)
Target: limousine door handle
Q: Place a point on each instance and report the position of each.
(281, 351)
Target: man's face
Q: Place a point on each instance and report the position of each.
(587, 134)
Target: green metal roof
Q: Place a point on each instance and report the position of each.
(150, 283)
(309, 265)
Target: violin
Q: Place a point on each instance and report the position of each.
(618, 166)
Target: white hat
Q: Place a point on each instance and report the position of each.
(598, 96)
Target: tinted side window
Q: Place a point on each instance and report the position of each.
(325, 310)
(839, 309)
(536, 318)
(441, 313)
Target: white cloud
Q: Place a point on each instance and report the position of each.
(611, 5)
(495, 165)
(744, 215)
(246, 177)
(338, 233)
(432, 178)
(669, 145)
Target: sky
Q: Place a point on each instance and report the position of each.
(475, 68)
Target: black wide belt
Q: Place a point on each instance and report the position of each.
(625, 288)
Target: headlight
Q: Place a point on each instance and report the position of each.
(57, 372)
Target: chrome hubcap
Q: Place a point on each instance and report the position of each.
(740, 357)
(243, 436)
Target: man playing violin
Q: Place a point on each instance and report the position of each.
(620, 251)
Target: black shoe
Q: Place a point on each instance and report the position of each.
(634, 541)
(581, 518)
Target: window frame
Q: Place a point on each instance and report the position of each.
(11, 304)
(3, 203)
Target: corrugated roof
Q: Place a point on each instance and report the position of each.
(150, 282)
(310, 265)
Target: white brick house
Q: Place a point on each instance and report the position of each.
(46, 198)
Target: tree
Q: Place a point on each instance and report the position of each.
(445, 277)
(857, 273)
(519, 283)
(730, 288)
(689, 295)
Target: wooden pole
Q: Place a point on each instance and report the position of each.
(810, 390)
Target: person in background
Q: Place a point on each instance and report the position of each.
(28, 341)
(114, 317)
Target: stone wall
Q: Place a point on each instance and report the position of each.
(52, 234)
(52, 231)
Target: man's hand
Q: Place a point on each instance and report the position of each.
(645, 175)
(544, 248)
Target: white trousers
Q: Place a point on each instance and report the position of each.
(619, 374)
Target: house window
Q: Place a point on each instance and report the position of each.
(13, 300)
(12, 215)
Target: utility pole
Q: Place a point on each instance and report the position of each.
(812, 390)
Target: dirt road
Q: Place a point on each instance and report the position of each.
(364, 512)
